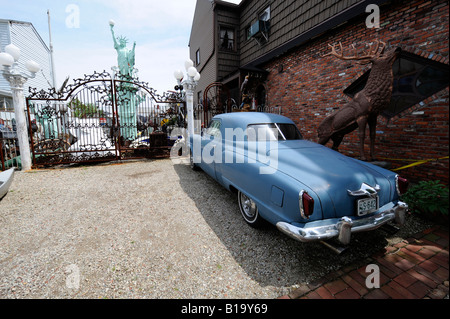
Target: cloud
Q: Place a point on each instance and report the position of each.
(156, 62)
(161, 30)
(82, 60)
(162, 15)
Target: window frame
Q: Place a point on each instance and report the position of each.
(266, 20)
(213, 129)
(197, 57)
(409, 99)
(273, 131)
(263, 12)
(232, 41)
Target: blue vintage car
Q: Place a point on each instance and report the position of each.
(307, 190)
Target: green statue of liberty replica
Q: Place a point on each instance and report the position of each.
(127, 99)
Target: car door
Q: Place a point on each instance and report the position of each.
(212, 147)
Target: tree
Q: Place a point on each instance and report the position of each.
(82, 110)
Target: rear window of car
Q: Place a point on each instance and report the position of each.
(273, 132)
(214, 128)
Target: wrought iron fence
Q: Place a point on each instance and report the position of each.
(104, 117)
(100, 118)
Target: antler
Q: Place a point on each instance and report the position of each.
(372, 52)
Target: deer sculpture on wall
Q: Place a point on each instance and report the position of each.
(366, 104)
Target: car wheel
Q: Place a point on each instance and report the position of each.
(193, 166)
(249, 210)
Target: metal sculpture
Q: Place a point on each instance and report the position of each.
(367, 104)
(127, 98)
(125, 56)
(246, 102)
(216, 100)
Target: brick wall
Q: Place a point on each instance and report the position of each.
(310, 86)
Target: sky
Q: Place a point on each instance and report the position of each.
(82, 39)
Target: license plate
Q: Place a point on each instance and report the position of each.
(367, 205)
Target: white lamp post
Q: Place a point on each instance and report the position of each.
(188, 84)
(17, 79)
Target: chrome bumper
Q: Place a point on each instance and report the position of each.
(343, 227)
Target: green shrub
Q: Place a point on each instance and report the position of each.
(429, 197)
(82, 110)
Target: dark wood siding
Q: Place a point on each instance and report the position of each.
(227, 60)
(202, 38)
(288, 19)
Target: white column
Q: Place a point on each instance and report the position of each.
(189, 84)
(17, 82)
(190, 87)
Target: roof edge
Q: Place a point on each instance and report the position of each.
(32, 27)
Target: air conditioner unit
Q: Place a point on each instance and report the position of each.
(259, 29)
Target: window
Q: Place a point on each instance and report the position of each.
(265, 15)
(273, 132)
(259, 30)
(248, 32)
(415, 79)
(214, 128)
(197, 57)
(226, 39)
(6, 104)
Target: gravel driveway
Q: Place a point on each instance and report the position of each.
(150, 229)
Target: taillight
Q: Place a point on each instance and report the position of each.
(401, 184)
(306, 204)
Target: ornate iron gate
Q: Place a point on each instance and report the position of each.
(216, 100)
(102, 117)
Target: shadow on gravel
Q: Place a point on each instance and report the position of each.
(266, 255)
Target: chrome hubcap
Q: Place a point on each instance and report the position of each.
(248, 206)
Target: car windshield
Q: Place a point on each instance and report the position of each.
(273, 132)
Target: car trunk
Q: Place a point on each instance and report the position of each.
(329, 174)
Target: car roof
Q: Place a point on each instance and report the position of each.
(243, 119)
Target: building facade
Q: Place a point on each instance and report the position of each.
(281, 45)
(32, 47)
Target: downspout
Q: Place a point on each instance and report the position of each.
(51, 51)
(214, 41)
(205, 102)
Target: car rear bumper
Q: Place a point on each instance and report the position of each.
(341, 228)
